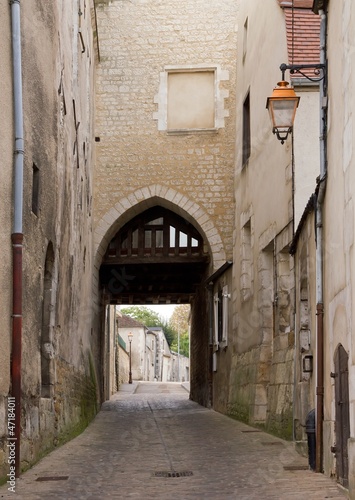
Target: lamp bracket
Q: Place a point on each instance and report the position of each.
(319, 69)
(282, 136)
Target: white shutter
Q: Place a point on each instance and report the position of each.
(225, 315)
(215, 319)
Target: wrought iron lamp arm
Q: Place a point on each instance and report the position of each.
(297, 68)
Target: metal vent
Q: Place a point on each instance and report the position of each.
(52, 478)
(165, 473)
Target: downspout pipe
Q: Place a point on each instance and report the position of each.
(320, 250)
(17, 231)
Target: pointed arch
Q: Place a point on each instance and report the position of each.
(169, 198)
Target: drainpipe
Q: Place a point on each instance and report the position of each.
(17, 234)
(320, 250)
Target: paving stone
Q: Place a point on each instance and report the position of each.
(150, 441)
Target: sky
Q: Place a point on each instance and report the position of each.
(165, 311)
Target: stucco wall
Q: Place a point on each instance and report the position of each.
(339, 218)
(56, 73)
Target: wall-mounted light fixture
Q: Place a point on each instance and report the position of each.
(283, 103)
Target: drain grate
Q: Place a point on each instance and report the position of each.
(165, 473)
(253, 430)
(296, 467)
(52, 478)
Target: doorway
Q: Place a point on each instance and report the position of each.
(342, 417)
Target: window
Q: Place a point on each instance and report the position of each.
(35, 189)
(246, 130)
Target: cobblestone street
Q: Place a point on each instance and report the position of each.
(151, 441)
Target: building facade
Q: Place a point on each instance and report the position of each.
(151, 175)
(52, 217)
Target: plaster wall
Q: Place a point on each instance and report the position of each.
(339, 218)
(306, 148)
(57, 75)
(305, 330)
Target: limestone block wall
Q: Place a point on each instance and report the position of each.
(260, 354)
(141, 44)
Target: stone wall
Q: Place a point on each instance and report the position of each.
(140, 43)
(123, 366)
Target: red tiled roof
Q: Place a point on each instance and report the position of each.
(303, 30)
(128, 322)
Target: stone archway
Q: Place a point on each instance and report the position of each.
(147, 197)
(125, 211)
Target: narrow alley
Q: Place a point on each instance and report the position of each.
(151, 441)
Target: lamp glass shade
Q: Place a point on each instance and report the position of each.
(282, 106)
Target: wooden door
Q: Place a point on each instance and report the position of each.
(342, 418)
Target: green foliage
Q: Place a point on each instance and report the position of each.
(148, 317)
(179, 321)
(184, 345)
(143, 314)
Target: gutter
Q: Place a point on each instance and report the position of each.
(17, 232)
(320, 251)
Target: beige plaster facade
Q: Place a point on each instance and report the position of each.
(59, 387)
(339, 224)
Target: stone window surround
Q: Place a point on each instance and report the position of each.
(220, 95)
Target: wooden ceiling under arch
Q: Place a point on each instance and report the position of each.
(156, 258)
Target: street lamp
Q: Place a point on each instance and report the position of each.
(283, 103)
(130, 337)
(282, 107)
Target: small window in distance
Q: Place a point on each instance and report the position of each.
(182, 240)
(135, 238)
(159, 240)
(172, 236)
(246, 130)
(35, 189)
(156, 222)
(148, 239)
